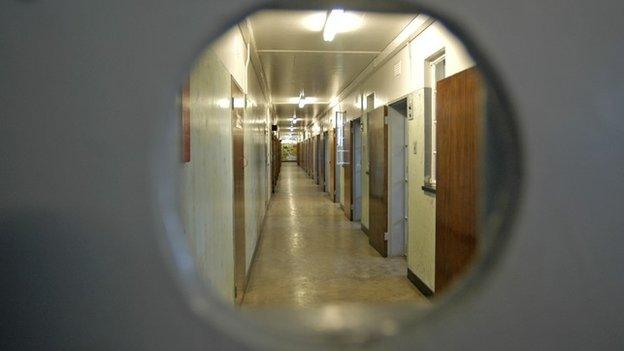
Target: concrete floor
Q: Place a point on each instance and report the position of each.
(310, 254)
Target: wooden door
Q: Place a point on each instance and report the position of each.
(238, 156)
(321, 157)
(332, 165)
(316, 159)
(186, 121)
(348, 186)
(459, 108)
(378, 179)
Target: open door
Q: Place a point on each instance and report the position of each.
(238, 156)
(321, 161)
(378, 179)
(347, 166)
(317, 159)
(459, 107)
(326, 159)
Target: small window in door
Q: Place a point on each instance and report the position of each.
(435, 70)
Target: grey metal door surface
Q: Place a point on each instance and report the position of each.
(90, 164)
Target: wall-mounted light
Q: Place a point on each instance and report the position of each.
(302, 100)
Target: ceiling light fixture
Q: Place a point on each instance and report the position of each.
(331, 24)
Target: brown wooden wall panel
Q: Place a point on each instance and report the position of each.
(332, 165)
(186, 121)
(319, 147)
(315, 142)
(378, 179)
(459, 117)
(321, 161)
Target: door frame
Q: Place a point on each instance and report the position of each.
(397, 181)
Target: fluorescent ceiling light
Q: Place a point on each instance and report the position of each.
(340, 22)
(331, 24)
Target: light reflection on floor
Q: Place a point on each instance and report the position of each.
(311, 255)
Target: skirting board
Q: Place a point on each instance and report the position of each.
(365, 230)
(419, 284)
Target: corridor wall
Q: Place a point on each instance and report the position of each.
(402, 75)
(207, 185)
(209, 224)
(257, 193)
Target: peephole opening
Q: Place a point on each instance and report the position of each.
(335, 163)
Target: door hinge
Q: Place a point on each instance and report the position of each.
(386, 236)
(235, 292)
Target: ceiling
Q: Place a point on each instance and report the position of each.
(295, 57)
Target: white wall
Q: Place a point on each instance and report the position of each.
(257, 192)
(208, 190)
(231, 49)
(388, 87)
(207, 194)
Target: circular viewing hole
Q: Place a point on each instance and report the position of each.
(343, 173)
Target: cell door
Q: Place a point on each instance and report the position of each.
(332, 165)
(239, 162)
(378, 179)
(356, 147)
(459, 110)
(321, 161)
(327, 158)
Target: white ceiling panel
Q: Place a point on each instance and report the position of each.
(319, 75)
(295, 57)
(290, 30)
(285, 113)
